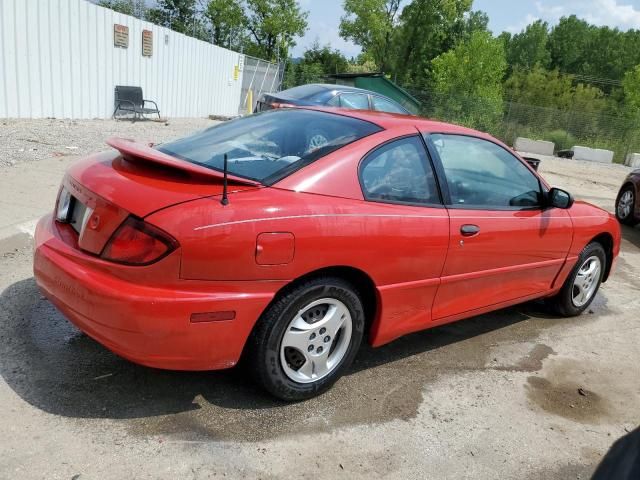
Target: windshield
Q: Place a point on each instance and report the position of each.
(269, 146)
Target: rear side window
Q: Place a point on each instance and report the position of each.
(269, 146)
(384, 105)
(354, 101)
(399, 172)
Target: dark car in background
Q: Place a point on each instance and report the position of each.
(327, 95)
(627, 203)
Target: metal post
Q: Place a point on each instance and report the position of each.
(275, 77)
(244, 104)
(263, 79)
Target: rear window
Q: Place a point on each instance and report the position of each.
(270, 146)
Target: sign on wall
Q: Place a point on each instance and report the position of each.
(147, 43)
(120, 36)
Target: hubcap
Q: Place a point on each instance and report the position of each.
(316, 340)
(586, 281)
(625, 204)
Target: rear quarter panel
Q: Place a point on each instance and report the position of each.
(220, 242)
(401, 248)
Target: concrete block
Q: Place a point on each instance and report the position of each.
(633, 160)
(592, 154)
(534, 146)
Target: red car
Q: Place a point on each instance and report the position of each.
(288, 236)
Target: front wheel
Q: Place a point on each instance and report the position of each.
(307, 338)
(582, 284)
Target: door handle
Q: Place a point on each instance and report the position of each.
(469, 230)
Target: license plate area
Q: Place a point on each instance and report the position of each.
(79, 216)
(92, 217)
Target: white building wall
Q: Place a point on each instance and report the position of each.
(57, 59)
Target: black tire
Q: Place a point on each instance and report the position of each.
(562, 303)
(263, 346)
(630, 218)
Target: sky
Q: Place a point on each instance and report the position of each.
(509, 15)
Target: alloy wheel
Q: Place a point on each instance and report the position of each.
(625, 204)
(316, 340)
(586, 281)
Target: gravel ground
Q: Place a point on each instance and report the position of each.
(514, 394)
(32, 140)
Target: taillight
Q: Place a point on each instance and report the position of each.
(138, 243)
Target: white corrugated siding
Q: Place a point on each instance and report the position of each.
(57, 59)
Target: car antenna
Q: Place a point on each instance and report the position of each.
(225, 198)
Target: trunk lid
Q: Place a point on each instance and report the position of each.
(136, 179)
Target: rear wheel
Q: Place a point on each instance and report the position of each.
(625, 205)
(581, 286)
(307, 338)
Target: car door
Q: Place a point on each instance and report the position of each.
(398, 181)
(504, 245)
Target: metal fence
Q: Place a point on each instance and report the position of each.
(258, 77)
(509, 120)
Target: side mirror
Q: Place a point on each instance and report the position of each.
(559, 198)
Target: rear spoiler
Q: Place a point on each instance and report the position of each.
(140, 153)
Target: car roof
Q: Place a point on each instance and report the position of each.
(389, 121)
(342, 88)
(313, 89)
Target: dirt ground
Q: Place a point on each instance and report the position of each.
(512, 394)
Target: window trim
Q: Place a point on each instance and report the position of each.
(366, 156)
(444, 184)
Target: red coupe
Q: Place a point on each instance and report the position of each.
(287, 236)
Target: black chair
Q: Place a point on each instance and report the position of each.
(130, 100)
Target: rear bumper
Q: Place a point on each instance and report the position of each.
(142, 322)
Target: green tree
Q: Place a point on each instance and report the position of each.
(179, 15)
(474, 68)
(471, 72)
(135, 8)
(428, 28)
(273, 26)
(371, 24)
(631, 89)
(568, 43)
(316, 63)
(540, 87)
(228, 22)
(529, 47)
(550, 88)
(331, 60)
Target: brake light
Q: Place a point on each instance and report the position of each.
(135, 242)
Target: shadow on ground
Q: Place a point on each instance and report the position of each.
(631, 235)
(57, 369)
